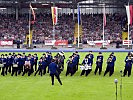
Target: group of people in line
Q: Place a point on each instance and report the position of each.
(15, 64)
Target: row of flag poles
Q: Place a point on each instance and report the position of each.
(54, 11)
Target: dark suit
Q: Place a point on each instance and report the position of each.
(99, 63)
(70, 67)
(109, 67)
(40, 64)
(53, 72)
(15, 69)
(128, 66)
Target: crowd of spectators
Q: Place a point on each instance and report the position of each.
(92, 26)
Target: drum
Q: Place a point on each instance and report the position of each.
(88, 67)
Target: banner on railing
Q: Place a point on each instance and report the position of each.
(98, 43)
(56, 42)
(127, 42)
(6, 42)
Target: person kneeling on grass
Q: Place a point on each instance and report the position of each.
(53, 68)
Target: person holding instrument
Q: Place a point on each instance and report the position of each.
(128, 65)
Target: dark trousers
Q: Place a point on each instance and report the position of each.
(86, 72)
(57, 76)
(10, 67)
(40, 71)
(44, 70)
(110, 70)
(20, 69)
(62, 66)
(14, 70)
(35, 66)
(98, 68)
(47, 67)
(6, 69)
(27, 71)
(68, 71)
(3, 71)
(127, 69)
(32, 70)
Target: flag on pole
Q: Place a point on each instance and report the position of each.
(104, 17)
(129, 10)
(54, 15)
(33, 13)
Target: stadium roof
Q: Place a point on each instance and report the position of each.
(62, 3)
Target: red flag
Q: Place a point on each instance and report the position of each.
(131, 14)
(129, 10)
(54, 15)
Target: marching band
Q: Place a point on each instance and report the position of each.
(22, 63)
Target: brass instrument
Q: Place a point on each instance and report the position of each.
(129, 58)
(109, 59)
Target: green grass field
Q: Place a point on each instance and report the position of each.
(74, 88)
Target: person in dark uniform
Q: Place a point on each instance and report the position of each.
(75, 62)
(3, 62)
(35, 61)
(99, 63)
(20, 64)
(24, 56)
(44, 66)
(53, 72)
(40, 67)
(6, 64)
(70, 66)
(113, 61)
(32, 62)
(109, 66)
(48, 59)
(43, 56)
(128, 65)
(10, 62)
(57, 61)
(90, 57)
(15, 66)
(77, 57)
(63, 57)
(60, 56)
(86, 63)
(45, 63)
